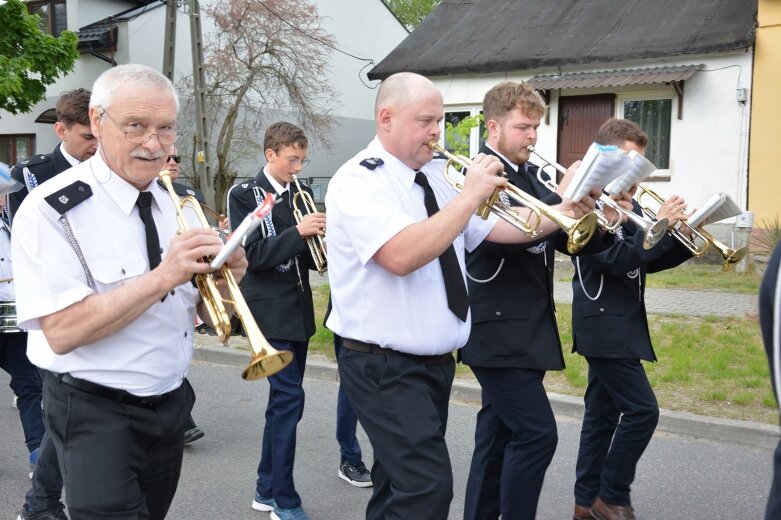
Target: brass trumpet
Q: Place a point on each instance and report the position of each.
(316, 243)
(653, 230)
(700, 240)
(266, 360)
(579, 231)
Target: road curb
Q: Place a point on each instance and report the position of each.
(747, 433)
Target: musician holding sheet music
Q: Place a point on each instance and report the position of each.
(610, 328)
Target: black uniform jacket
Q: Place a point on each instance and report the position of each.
(615, 324)
(44, 167)
(770, 315)
(280, 301)
(513, 315)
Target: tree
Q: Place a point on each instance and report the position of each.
(411, 12)
(265, 59)
(30, 59)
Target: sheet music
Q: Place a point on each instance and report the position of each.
(717, 208)
(7, 183)
(639, 169)
(601, 165)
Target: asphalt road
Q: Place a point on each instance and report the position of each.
(679, 478)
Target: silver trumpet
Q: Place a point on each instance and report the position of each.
(653, 230)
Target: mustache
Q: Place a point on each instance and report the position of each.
(146, 154)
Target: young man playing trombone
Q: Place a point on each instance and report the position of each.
(278, 293)
(610, 328)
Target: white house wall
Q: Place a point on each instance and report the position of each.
(355, 24)
(708, 147)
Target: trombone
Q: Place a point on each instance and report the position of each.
(653, 230)
(579, 231)
(266, 360)
(316, 243)
(700, 240)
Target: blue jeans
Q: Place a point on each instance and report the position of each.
(346, 422)
(283, 412)
(26, 384)
(46, 487)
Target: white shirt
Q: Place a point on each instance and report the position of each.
(68, 157)
(151, 355)
(277, 186)
(366, 208)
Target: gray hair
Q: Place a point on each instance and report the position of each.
(140, 76)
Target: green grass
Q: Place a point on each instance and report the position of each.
(702, 277)
(709, 366)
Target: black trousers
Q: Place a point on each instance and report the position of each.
(118, 460)
(402, 404)
(773, 511)
(515, 440)
(620, 418)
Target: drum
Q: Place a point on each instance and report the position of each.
(8, 317)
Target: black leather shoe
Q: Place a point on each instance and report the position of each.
(192, 435)
(603, 511)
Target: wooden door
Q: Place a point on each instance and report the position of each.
(579, 119)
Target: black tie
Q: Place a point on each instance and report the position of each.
(457, 299)
(144, 204)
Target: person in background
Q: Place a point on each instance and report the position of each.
(25, 380)
(351, 467)
(279, 296)
(76, 144)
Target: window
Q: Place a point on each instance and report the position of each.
(654, 116)
(14, 148)
(461, 142)
(53, 15)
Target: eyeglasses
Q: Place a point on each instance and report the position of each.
(175, 158)
(139, 134)
(295, 162)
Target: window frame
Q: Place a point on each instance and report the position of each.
(13, 153)
(661, 174)
(50, 19)
(474, 136)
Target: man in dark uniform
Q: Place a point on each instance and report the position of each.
(610, 328)
(77, 144)
(514, 337)
(277, 291)
(770, 322)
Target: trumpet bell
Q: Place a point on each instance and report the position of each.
(264, 365)
(265, 360)
(732, 257)
(655, 233)
(581, 232)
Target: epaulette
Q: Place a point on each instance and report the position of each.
(372, 163)
(439, 156)
(33, 161)
(69, 197)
